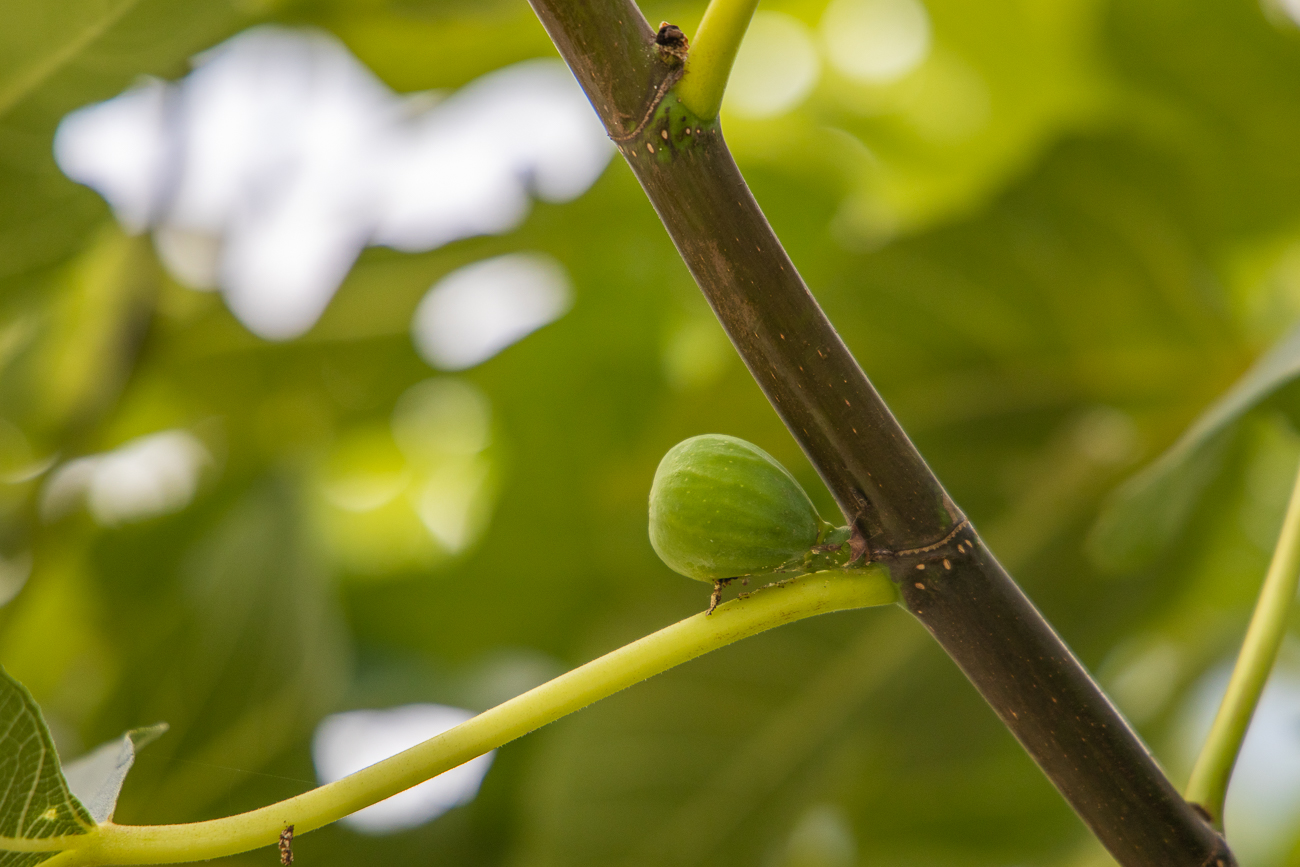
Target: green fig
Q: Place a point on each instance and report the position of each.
(721, 508)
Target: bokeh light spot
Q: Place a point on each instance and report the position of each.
(348, 742)
(776, 69)
(148, 476)
(876, 41)
(475, 312)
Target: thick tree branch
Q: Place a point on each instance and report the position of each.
(948, 579)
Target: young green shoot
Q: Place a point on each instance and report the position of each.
(713, 51)
(774, 605)
(1208, 787)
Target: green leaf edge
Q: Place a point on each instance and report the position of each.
(1138, 521)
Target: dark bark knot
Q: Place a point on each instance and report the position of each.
(671, 43)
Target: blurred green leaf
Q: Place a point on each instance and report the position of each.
(35, 802)
(1145, 514)
(41, 38)
(251, 656)
(101, 305)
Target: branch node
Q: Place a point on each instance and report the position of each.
(881, 554)
(674, 75)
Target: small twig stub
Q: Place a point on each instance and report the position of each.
(671, 43)
(286, 846)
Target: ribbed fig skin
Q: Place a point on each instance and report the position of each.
(721, 507)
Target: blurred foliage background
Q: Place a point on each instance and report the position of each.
(1052, 234)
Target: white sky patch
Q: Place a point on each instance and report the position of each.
(467, 166)
(118, 148)
(347, 742)
(1264, 795)
(476, 311)
(148, 476)
(267, 170)
(776, 68)
(876, 41)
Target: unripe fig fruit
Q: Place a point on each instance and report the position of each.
(721, 507)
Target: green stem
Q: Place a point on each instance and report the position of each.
(713, 51)
(779, 603)
(1208, 786)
